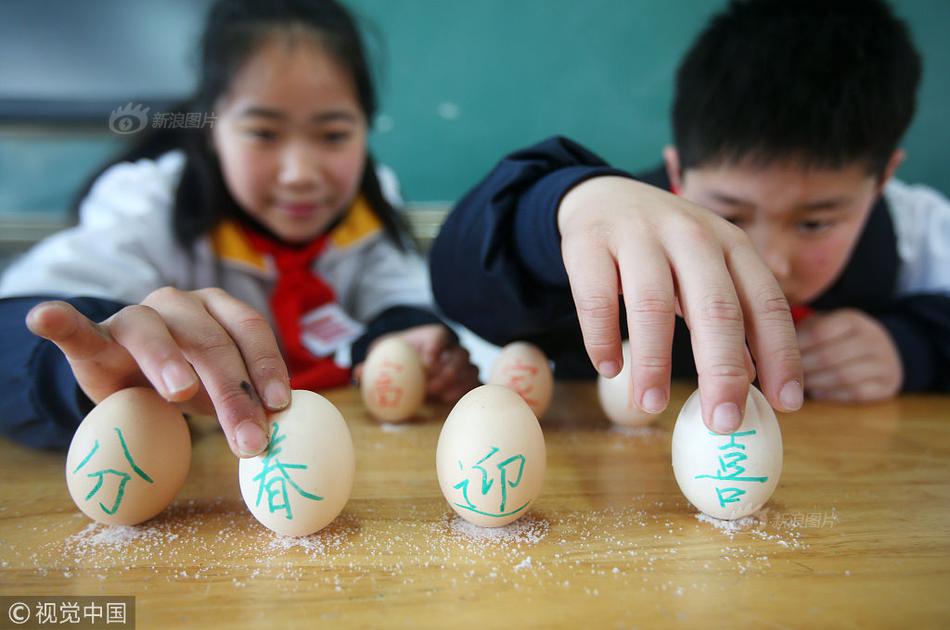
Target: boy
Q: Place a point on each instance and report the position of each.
(786, 119)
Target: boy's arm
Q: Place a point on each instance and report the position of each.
(501, 267)
(920, 328)
(496, 265)
(919, 319)
(41, 402)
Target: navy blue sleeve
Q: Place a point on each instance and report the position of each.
(496, 265)
(391, 320)
(41, 403)
(920, 327)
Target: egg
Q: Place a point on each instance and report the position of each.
(128, 458)
(728, 476)
(616, 396)
(302, 481)
(393, 384)
(490, 458)
(524, 368)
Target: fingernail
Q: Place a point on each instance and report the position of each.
(176, 378)
(250, 439)
(792, 396)
(726, 418)
(608, 369)
(654, 401)
(276, 395)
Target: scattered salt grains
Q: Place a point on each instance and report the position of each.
(605, 543)
(738, 525)
(528, 530)
(524, 564)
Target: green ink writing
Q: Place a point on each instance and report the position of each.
(505, 481)
(274, 477)
(124, 477)
(731, 468)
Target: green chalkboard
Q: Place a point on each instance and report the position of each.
(464, 82)
(461, 83)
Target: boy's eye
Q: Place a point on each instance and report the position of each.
(814, 227)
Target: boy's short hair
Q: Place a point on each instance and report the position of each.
(825, 82)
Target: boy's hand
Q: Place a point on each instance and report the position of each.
(849, 356)
(449, 373)
(665, 254)
(204, 349)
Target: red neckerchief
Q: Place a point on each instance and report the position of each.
(299, 290)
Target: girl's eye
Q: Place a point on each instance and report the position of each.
(266, 135)
(737, 221)
(336, 137)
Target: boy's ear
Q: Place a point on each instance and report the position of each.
(895, 161)
(671, 158)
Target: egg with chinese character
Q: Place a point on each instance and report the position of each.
(301, 482)
(490, 458)
(128, 458)
(393, 383)
(616, 396)
(731, 475)
(524, 368)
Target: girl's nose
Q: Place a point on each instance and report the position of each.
(300, 167)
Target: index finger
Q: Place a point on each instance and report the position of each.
(592, 273)
(221, 368)
(770, 329)
(714, 316)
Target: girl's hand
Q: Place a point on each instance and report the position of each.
(665, 254)
(449, 373)
(204, 349)
(849, 356)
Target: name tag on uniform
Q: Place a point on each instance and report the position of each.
(327, 328)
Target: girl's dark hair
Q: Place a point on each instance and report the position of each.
(829, 83)
(233, 29)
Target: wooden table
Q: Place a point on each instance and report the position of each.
(856, 535)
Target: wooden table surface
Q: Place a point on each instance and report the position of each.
(856, 535)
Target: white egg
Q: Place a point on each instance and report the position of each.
(616, 396)
(490, 458)
(728, 476)
(524, 368)
(304, 478)
(129, 457)
(393, 383)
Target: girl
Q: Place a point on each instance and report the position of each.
(274, 218)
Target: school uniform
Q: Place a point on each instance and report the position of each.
(497, 269)
(123, 248)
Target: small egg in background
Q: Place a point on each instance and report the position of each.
(525, 369)
(616, 396)
(128, 458)
(728, 476)
(393, 383)
(303, 480)
(491, 458)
